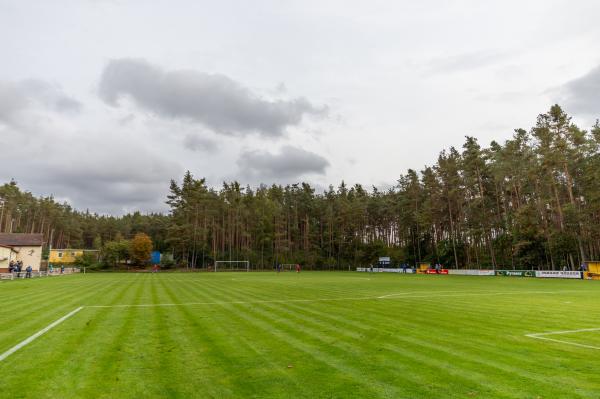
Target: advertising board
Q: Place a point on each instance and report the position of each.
(433, 271)
(472, 272)
(557, 274)
(516, 273)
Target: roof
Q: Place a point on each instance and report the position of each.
(21, 240)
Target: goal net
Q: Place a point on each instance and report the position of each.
(289, 267)
(232, 266)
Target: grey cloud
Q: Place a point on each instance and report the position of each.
(108, 179)
(196, 143)
(50, 95)
(213, 100)
(17, 98)
(290, 162)
(582, 94)
(12, 102)
(113, 182)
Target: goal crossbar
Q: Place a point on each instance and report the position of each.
(232, 265)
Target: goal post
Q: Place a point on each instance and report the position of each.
(232, 266)
(288, 266)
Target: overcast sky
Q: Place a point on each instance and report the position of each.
(103, 102)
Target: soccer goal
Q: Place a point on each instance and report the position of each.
(290, 267)
(232, 266)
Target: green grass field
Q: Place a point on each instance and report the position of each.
(311, 335)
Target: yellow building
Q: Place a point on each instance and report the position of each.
(593, 270)
(67, 256)
(64, 255)
(26, 248)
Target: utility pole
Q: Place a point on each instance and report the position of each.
(2, 202)
(49, 249)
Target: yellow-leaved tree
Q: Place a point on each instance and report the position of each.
(141, 249)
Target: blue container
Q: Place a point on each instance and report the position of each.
(155, 258)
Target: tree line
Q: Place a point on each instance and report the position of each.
(530, 202)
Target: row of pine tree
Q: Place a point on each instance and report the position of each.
(531, 202)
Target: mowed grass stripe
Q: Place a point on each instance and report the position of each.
(257, 315)
(394, 360)
(106, 378)
(64, 354)
(36, 296)
(407, 347)
(251, 323)
(197, 345)
(446, 348)
(37, 316)
(494, 343)
(353, 331)
(90, 339)
(278, 342)
(327, 334)
(296, 336)
(483, 364)
(489, 345)
(169, 350)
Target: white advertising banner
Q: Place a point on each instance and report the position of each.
(383, 270)
(472, 272)
(557, 274)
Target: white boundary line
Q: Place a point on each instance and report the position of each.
(542, 336)
(567, 331)
(37, 334)
(402, 295)
(563, 342)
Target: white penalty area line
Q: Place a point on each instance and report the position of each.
(151, 305)
(404, 295)
(37, 334)
(544, 336)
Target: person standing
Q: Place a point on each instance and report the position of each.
(28, 270)
(19, 269)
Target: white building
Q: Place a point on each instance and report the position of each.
(20, 247)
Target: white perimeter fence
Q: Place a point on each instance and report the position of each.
(384, 270)
(477, 272)
(41, 273)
